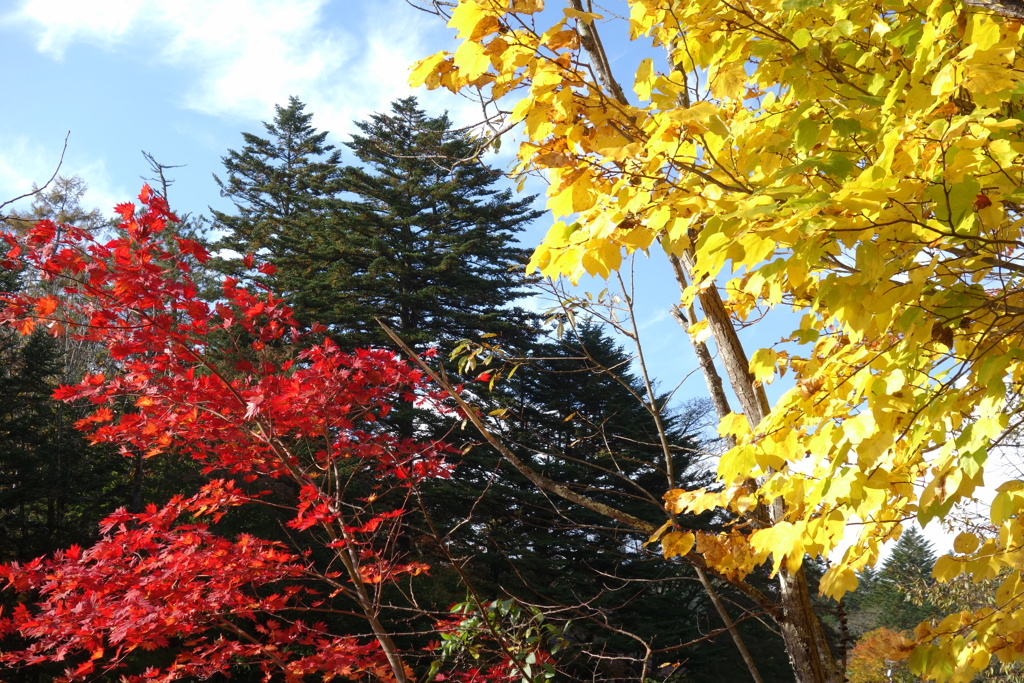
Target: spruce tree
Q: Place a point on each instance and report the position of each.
(894, 596)
(416, 234)
(283, 187)
(907, 568)
(427, 240)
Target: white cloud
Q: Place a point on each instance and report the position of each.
(21, 166)
(392, 38)
(60, 23)
(24, 164)
(103, 193)
(252, 54)
(344, 60)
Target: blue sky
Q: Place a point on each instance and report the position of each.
(182, 79)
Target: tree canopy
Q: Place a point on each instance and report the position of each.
(282, 187)
(415, 233)
(427, 240)
(283, 428)
(857, 162)
(276, 422)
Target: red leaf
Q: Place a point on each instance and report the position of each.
(46, 305)
(126, 210)
(163, 575)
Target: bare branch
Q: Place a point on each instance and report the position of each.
(37, 190)
(1014, 9)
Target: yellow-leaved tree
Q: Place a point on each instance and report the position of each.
(859, 162)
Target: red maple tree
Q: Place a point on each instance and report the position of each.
(230, 385)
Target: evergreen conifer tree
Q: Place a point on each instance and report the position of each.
(907, 567)
(574, 414)
(284, 188)
(54, 485)
(428, 241)
(895, 596)
(416, 234)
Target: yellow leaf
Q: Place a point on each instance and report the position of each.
(644, 79)
(1008, 502)
(472, 21)
(656, 536)
(985, 78)
(472, 60)
(966, 542)
(762, 365)
(586, 17)
(563, 40)
(946, 80)
(983, 32)
(837, 581)
(727, 80)
(603, 258)
(676, 543)
(577, 196)
(527, 6)
(425, 71)
(700, 331)
(783, 541)
(678, 501)
(734, 424)
(738, 464)
(946, 569)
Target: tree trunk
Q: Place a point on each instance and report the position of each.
(804, 636)
(809, 654)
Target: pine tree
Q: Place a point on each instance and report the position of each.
(283, 187)
(427, 240)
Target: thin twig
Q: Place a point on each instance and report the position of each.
(37, 190)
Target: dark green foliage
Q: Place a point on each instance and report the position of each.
(907, 568)
(54, 487)
(576, 413)
(283, 187)
(427, 243)
(894, 596)
(416, 234)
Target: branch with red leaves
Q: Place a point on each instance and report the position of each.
(229, 385)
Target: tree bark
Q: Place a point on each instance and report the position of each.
(806, 645)
(727, 620)
(1013, 9)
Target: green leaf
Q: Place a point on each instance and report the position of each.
(800, 5)
(846, 127)
(806, 135)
